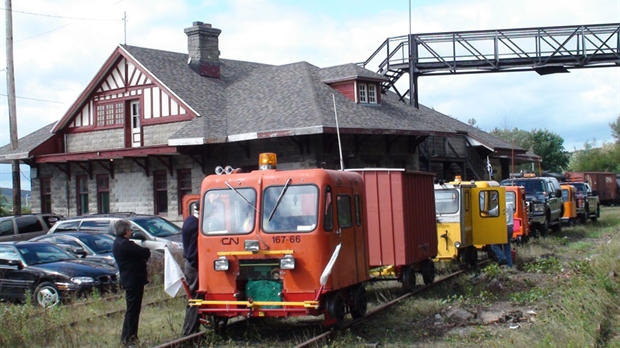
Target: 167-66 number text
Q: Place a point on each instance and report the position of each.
(284, 239)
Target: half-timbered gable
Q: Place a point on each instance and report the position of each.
(127, 108)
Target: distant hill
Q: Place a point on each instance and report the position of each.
(8, 194)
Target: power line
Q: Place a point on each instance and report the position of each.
(63, 17)
(35, 99)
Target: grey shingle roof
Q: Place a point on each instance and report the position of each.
(26, 144)
(349, 72)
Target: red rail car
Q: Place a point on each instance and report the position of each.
(402, 229)
(603, 182)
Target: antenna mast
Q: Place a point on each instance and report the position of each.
(125, 26)
(338, 133)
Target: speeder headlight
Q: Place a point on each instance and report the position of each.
(287, 262)
(251, 245)
(221, 264)
(539, 207)
(457, 244)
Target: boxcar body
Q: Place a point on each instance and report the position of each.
(402, 230)
(603, 182)
(277, 243)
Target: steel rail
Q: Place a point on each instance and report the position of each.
(197, 337)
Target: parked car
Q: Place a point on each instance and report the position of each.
(544, 196)
(96, 246)
(25, 227)
(50, 274)
(149, 231)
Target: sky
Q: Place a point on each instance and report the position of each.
(60, 45)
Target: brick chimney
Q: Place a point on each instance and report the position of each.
(203, 49)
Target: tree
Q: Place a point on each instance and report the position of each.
(3, 204)
(516, 136)
(550, 147)
(615, 129)
(595, 159)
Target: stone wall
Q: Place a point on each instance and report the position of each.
(97, 140)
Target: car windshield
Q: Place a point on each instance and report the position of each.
(157, 226)
(580, 188)
(446, 201)
(531, 186)
(37, 253)
(98, 242)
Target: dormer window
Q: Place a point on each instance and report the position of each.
(362, 88)
(367, 93)
(372, 94)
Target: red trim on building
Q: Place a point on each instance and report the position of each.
(108, 154)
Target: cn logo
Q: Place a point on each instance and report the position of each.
(230, 241)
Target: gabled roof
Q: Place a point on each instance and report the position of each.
(348, 72)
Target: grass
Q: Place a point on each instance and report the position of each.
(570, 280)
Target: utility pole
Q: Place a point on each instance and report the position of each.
(10, 82)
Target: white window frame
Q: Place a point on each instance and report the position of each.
(372, 93)
(363, 97)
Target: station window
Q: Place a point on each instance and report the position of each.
(103, 193)
(46, 195)
(363, 98)
(367, 93)
(81, 182)
(160, 191)
(110, 114)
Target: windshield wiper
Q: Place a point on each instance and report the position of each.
(279, 199)
(240, 195)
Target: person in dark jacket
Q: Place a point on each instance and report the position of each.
(189, 233)
(131, 260)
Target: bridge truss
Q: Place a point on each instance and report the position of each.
(546, 50)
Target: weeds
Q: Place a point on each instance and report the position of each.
(544, 265)
(528, 297)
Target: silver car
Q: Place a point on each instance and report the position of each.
(151, 231)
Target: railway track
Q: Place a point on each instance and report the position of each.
(316, 340)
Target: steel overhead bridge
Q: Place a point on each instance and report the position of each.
(545, 50)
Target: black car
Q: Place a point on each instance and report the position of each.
(96, 246)
(50, 273)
